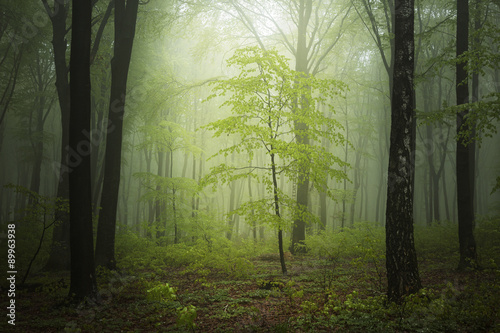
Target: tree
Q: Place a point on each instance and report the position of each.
(166, 137)
(83, 279)
(465, 150)
(59, 255)
(310, 35)
(58, 13)
(401, 258)
(125, 21)
(263, 100)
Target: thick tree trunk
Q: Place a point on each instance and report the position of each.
(83, 279)
(301, 66)
(465, 153)
(401, 259)
(125, 21)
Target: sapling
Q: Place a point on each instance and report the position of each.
(267, 101)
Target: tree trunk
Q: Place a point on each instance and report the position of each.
(125, 21)
(158, 202)
(59, 258)
(83, 279)
(301, 66)
(401, 259)
(277, 212)
(465, 153)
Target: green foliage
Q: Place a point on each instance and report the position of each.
(438, 241)
(272, 106)
(186, 316)
(199, 259)
(162, 293)
(167, 136)
(482, 115)
(487, 234)
(32, 228)
(363, 244)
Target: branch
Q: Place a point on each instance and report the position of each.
(98, 36)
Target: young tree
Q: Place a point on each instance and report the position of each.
(401, 257)
(83, 279)
(267, 99)
(311, 32)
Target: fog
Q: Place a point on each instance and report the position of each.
(195, 160)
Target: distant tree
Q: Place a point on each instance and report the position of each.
(401, 258)
(83, 279)
(169, 190)
(263, 100)
(166, 137)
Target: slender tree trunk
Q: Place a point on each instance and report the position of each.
(83, 279)
(445, 196)
(277, 212)
(401, 258)
(148, 156)
(232, 195)
(37, 145)
(465, 153)
(344, 197)
(59, 258)
(252, 213)
(160, 232)
(357, 184)
(125, 20)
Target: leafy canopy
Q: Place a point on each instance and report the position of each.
(271, 105)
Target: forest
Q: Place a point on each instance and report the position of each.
(250, 165)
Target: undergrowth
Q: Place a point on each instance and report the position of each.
(212, 284)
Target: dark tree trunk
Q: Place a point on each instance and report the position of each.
(401, 259)
(278, 214)
(465, 153)
(83, 279)
(125, 21)
(59, 258)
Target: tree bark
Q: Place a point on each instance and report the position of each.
(278, 214)
(125, 21)
(401, 259)
(464, 153)
(83, 279)
(59, 258)
(301, 66)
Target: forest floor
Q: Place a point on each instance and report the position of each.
(345, 294)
